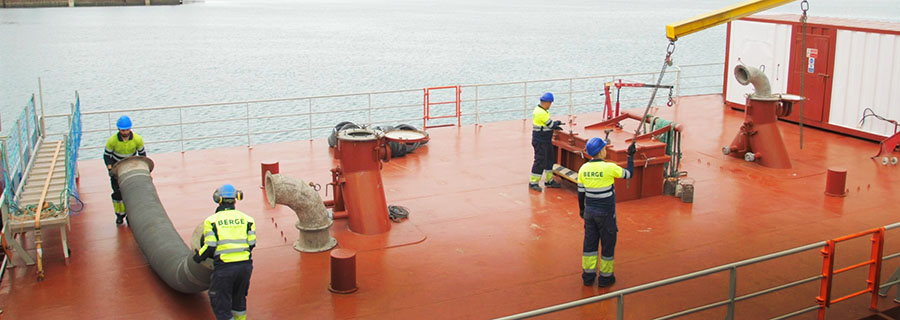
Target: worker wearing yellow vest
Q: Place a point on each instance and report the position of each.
(120, 146)
(228, 237)
(597, 202)
(542, 142)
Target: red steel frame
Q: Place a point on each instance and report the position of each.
(619, 84)
(888, 145)
(828, 272)
(426, 115)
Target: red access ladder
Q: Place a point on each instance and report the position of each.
(426, 114)
(874, 263)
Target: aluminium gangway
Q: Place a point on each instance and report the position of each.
(39, 182)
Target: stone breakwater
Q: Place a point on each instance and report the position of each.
(82, 3)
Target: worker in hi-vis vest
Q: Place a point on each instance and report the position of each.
(228, 237)
(120, 146)
(597, 204)
(542, 142)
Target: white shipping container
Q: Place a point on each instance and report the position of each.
(850, 66)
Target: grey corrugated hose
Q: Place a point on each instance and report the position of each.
(167, 254)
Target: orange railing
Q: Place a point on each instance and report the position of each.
(426, 115)
(824, 299)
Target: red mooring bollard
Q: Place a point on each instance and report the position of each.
(343, 271)
(835, 182)
(270, 167)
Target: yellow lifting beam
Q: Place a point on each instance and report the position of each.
(708, 20)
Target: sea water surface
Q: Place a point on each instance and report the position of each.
(229, 50)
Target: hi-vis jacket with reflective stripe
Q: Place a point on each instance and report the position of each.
(117, 149)
(596, 179)
(230, 235)
(541, 123)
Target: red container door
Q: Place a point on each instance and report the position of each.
(815, 64)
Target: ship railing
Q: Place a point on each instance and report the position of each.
(245, 123)
(19, 148)
(700, 78)
(823, 301)
(586, 94)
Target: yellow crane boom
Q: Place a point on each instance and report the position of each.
(711, 19)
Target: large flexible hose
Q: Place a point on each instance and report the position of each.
(167, 254)
(332, 139)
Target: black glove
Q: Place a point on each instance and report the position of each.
(555, 125)
(631, 150)
(581, 213)
(197, 256)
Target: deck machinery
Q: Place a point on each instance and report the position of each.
(650, 161)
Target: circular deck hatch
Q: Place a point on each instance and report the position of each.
(357, 134)
(406, 136)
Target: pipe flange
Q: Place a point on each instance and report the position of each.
(132, 165)
(359, 134)
(325, 227)
(316, 240)
(332, 242)
(754, 97)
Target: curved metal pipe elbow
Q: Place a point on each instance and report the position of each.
(750, 75)
(312, 217)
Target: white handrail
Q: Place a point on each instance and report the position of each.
(479, 100)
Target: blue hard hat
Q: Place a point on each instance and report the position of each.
(227, 191)
(594, 146)
(124, 123)
(548, 97)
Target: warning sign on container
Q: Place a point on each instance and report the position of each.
(811, 66)
(812, 53)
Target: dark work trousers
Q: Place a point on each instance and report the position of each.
(599, 227)
(116, 194)
(228, 288)
(543, 151)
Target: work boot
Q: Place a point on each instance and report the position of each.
(552, 184)
(588, 283)
(120, 218)
(535, 187)
(604, 282)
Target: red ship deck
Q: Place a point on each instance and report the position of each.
(491, 246)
